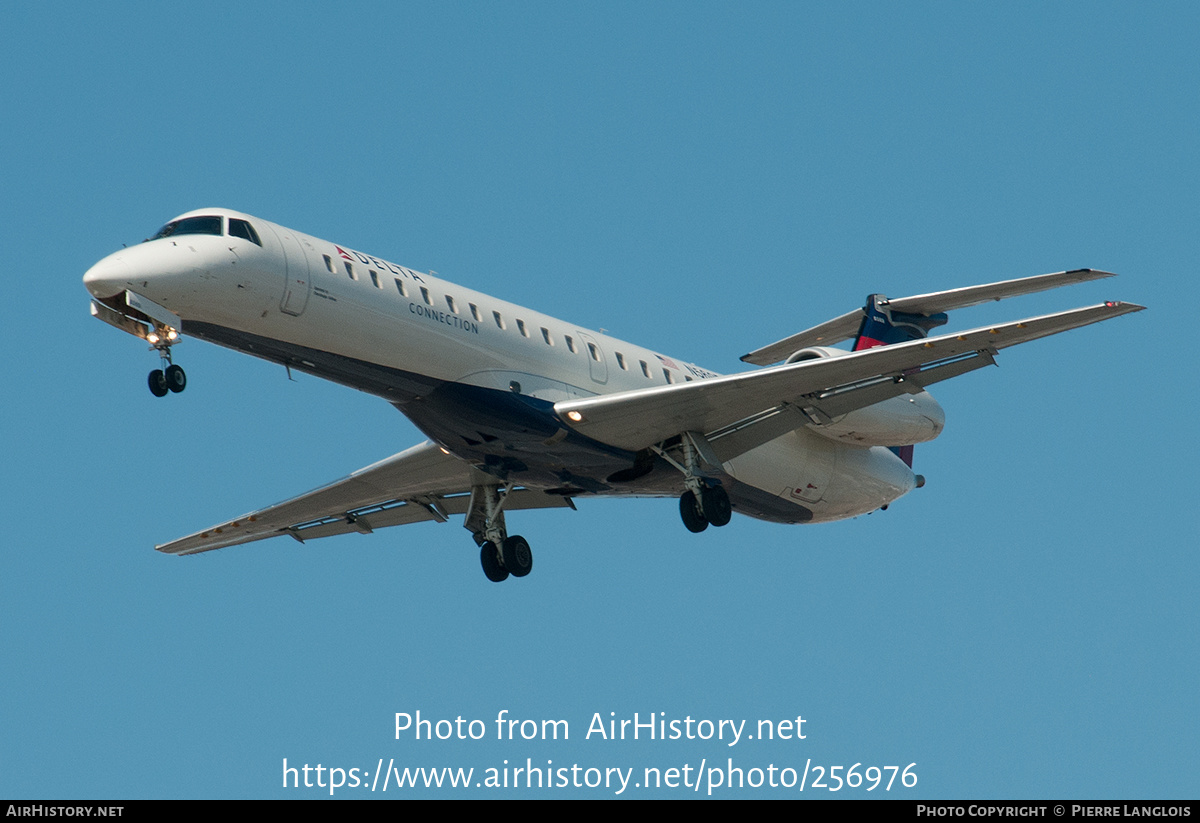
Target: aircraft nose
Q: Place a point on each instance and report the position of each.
(108, 277)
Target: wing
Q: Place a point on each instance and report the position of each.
(421, 483)
(775, 400)
(847, 325)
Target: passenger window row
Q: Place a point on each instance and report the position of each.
(452, 305)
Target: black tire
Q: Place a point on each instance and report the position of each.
(717, 509)
(491, 563)
(518, 557)
(158, 383)
(176, 379)
(692, 517)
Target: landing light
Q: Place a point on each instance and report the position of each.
(152, 338)
(172, 335)
(575, 417)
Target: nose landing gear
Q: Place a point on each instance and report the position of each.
(170, 378)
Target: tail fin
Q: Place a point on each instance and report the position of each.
(883, 327)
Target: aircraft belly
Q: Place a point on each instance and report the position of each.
(514, 436)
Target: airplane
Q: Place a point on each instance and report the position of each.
(524, 411)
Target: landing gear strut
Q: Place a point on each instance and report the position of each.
(170, 377)
(499, 554)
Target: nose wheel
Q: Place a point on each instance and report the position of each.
(158, 383)
(172, 379)
(176, 379)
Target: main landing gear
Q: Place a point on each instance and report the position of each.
(170, 378)
(704, 502)
(499, 554)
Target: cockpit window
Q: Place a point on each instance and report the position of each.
(240, 228)
(208, 224)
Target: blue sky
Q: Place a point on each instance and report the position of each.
(702, 179)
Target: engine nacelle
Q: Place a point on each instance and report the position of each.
(815, 352)
(898, 421)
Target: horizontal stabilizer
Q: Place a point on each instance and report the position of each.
(847, 325)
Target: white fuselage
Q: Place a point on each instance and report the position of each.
(337, 312)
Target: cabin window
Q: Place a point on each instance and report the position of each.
(209, 224)
(594, 351)
(328, 263)
(667, 375)
(425, 295)
(375, 278)
(350, 270)
(242, 229)
(621, 361)
(546, 336)
(474, 311)
(521, 326)
(571, 343)
(645, 368)
(499, 320)
(400, 287)
(450, 303)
